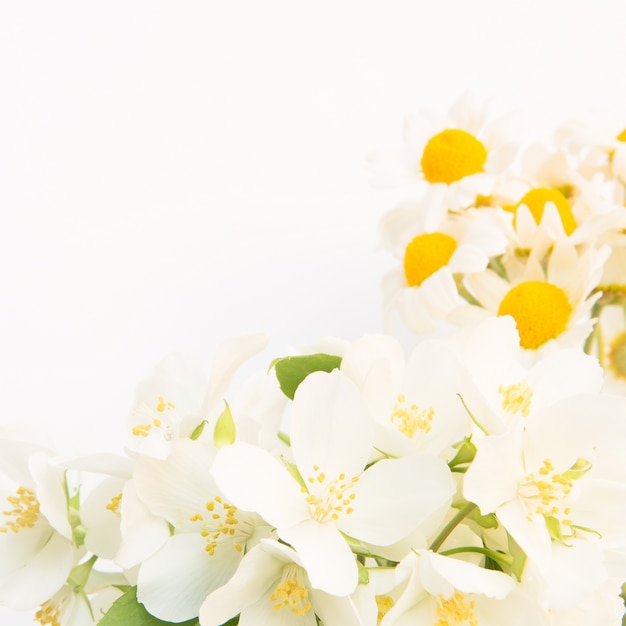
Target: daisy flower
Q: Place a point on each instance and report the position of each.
(550, 304)
(424, 290)
(457, 156)
(611, 346)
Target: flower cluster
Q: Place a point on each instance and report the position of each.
(541, 238)
(477, 479)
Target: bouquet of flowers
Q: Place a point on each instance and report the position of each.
(478, 478)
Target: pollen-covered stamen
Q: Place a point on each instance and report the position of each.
(426, 254)
(410, 418)
(114, 505)
(516, 398)
(291, 592)
(617, 356)
(547, 493)
(541, 311)
(452, 155)
(24, 511)
(328, 500)
(49, 614)
(384, 604)
(536, 200)
(456, 611)
(219, 522)
(153, 420)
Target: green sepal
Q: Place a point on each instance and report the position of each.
(128, 611)
(484, 521)
(519, 558)
(466, 451)
(580, 468)
(225, 431)
(292, 370)
(80, 574)
(294, 471)
(198, 430)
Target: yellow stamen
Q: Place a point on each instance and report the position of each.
(516, 398)
(408, 419)
(425, 255)
(452, 155)
(384, 605)
(456, 611)
(48, 614)
(334, 499)
(24, 511)
(114, 505)
(541, 311)
(536, 200)
(290, 594)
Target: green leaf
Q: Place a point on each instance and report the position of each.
(292, 370)
(127, 611)
(225, 431)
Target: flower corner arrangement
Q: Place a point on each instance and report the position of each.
(475, 479)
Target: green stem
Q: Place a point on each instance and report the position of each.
(482, 428)
(451, 525)
(503, 559)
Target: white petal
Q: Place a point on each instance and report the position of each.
(255, 481)
(331, 427)
(258, 573)
(325, 555)
(33, 581)
(493, 476)
(174, 582)
(142, 532)
(466, 577)
(227, 358)
(394, 496)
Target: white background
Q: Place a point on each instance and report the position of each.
(175, 172)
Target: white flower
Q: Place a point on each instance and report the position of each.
(432, 253)
(35, 534)
(332, 437)
(271, 586)
(506, 388)
(441, 590)
(181, 394)
(539, 480)
(209, 535)
(611, 345)
(415, 404)
(457, 155)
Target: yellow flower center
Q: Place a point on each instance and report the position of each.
(617, 356)
(410, 418)
(541, 311)
(332, 498)
(516, 398)
(452, 155)
(622, 136)
(290, 593)
(456, 611)
(547, 494)
(536, 200)
(384, 605)
(219, 522)
(425, 255)
(24, 511)
(114, 505)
